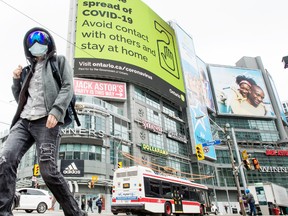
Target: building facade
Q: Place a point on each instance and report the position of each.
(132, 114)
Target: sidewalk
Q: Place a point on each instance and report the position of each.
(60, 213)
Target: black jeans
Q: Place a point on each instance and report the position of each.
(22, 136)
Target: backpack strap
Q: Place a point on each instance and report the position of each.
(58, 78)
(24, 73)
(56, 71)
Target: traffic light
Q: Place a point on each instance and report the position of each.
(256, 163)
(90, 184)
(199, 152)
(247, 164)
(120, 164)
(36, 170)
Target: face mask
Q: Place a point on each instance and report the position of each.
(38, 50)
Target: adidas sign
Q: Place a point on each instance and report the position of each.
(71, 169)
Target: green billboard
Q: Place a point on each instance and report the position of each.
(125, 40)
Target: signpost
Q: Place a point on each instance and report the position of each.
(210, 143)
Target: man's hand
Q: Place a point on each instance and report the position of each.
(51, 121)
(17, 72)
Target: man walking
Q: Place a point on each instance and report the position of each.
(251, 201)
(99, 205)
(90, 203)
(40, 113)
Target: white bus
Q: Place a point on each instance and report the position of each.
(140, 191)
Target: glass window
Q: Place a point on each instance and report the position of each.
(92, 156)
(69, 155)
(77, 155)
(147, 98)
(154, 188)
(154, 117)
(166, 190)
(86, 152)
(77, 147)
(175, 147)
(171, 111)
(139, 94)
(153, 101)
(156, 140)
(84, 155)
(84, 148)
(185, 192)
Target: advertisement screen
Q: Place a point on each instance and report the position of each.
(207, 92)
(125, 40)
(198, 118)
(240, 91)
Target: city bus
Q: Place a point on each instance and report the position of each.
(139, 190)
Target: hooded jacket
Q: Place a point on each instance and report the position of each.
(56, 100)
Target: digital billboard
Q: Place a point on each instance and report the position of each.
(198, 119)
(125, 40)
(240, 91)
(207, 91)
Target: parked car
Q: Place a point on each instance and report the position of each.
(214, 209)
(30, 199)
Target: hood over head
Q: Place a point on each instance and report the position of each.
(51, 45)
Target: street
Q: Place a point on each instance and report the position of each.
(60, 213)
(56, 213)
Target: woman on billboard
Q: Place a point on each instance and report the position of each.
(247, 99)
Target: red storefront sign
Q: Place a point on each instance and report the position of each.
(101, 89)
(272, 152)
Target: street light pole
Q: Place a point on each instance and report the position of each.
(235, 172)
(116, 148)
(214, 190)
(238, 158)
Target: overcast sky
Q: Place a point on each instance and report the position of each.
(223, 31)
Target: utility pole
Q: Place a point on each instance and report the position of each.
(235, 173)
(116, 149)
(238, 158)
(214, 190)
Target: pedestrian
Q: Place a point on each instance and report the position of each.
(40, 113)
(83, 204)
(251, 201)
(90, 202)
(99, 205)
(226, 208)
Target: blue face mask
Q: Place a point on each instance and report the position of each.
(38, 50)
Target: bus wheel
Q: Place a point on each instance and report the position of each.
(167, 209)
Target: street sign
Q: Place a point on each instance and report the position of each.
(213, 142)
